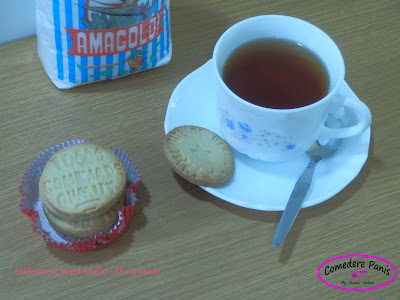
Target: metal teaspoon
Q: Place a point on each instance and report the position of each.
(302, 185)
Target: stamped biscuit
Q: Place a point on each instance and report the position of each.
(82, 181)
(86, 228)
(199, 155)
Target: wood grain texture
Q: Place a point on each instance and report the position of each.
(205, 248)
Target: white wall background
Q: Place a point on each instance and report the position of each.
(17, 19)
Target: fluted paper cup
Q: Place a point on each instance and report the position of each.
(31, 204)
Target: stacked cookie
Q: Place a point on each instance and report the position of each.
(82, 188)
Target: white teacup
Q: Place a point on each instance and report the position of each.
(282, 134)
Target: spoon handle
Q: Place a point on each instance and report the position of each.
(294, 204)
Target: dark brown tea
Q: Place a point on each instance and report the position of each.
(276, 73)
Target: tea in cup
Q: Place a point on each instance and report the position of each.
(277, 80)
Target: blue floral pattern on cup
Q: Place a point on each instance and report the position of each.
(230, 124)
(245, 127)
(264, 137)
(290, 147)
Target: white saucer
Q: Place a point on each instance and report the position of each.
(262, 185)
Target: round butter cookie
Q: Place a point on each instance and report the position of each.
(199, 155)
(82, 181)
(86, 228)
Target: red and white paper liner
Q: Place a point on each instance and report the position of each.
(31, 204)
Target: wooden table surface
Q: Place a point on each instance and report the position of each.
(204, 247)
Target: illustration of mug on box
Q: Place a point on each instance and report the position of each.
(83, 41)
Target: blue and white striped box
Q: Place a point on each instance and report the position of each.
(84, 41)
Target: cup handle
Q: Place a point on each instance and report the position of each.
(363, 121)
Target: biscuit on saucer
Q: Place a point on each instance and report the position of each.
(199, 155)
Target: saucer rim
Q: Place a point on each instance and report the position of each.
(216, 191)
